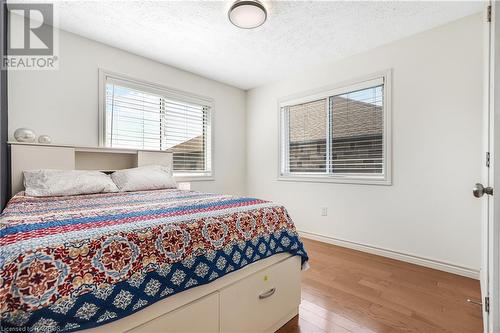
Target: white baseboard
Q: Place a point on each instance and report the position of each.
(430, 263)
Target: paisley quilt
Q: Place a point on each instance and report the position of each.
(70, 263)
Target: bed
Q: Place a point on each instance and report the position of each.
(147, 261)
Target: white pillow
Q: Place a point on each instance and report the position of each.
(150, 177)
(41, 183)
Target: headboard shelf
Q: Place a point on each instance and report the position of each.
(31, 156)
(105, 150)
(86, 148)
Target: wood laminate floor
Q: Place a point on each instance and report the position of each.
(350, 291)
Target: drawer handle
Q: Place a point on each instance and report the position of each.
(268, 293)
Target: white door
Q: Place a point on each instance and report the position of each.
(491, 178)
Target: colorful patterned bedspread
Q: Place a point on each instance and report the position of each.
(69, 263)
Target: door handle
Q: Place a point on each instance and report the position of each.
(479, 190)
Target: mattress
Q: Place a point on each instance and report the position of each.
(71, 263)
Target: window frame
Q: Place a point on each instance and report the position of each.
(174, 94)
(324, 93)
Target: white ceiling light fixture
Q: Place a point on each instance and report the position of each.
(247, 14)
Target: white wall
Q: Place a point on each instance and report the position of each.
(64, 103)
(429, 210)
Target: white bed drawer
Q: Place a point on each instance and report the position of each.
(199, 316)
(257, 302)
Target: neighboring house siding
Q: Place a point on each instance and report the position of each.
(304, 156)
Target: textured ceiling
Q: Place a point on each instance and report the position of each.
(196, 35)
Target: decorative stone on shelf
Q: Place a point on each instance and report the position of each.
(24, 135)
(44, 139)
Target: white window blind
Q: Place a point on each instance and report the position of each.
(357, 129)
(186, 134)
(145, 118)
(337, 134)
(133, 118)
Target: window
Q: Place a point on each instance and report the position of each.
(143, 116)
(339, 134)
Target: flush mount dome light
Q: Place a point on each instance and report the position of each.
(247, 14)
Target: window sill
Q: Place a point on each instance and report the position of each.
(193, 178)
(336, 179)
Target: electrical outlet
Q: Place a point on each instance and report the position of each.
(324, 211)
(185, 186)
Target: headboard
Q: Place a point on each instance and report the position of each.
(31, 156)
